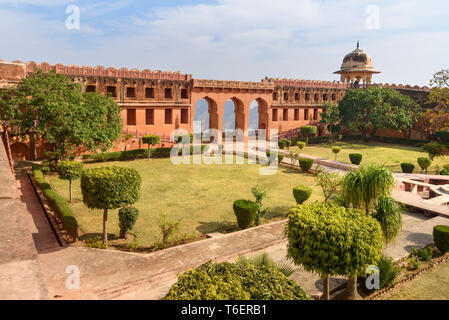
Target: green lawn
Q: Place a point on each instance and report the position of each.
(432, 285)
(380, 153)
(201, 196)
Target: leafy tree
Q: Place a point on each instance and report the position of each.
(126, 138)
(439, 94)
(435, 150)
(332, 240)
(70, 170)
(308, 131)
(331, 118)
(151, 140)
(53, 106)
(372, 109)
(330, 183)
(110, 188)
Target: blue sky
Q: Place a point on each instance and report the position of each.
(233, 39)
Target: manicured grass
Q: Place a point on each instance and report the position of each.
(200, 196)
(380, 153)
(432, 285)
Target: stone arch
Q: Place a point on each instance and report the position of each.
(263, 115)
(213, 121)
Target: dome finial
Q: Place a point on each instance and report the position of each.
(358, 44)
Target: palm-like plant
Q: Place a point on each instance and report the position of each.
(264, 259)
(388, 214)
(363, 188)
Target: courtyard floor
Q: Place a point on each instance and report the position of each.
(199, 196)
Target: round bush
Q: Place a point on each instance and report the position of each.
(424, 163)
(441, 238)
(332, 240)
(302, 193)
(70, 170)
(305, 164)
(245, 212)
(227, 281)
(282, 144)
(151, 139)
(127, 218)
(280, 157)
(407, 167)
(110, 187)
(336, 149)
(356, 158)
(301, 145)
(308, 130)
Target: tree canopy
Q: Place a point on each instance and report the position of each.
(375, 108)
(53, 106)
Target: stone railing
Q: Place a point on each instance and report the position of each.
(306, 83)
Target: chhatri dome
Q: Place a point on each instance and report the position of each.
(357, 67)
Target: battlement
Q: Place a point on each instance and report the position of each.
(11, 73)
(401, 86)
(305, 83)
(100, 71)
(202, 83)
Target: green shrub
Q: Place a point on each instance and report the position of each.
(70, 170)
(168, 228)
(245, 212)
(282, 144)
(336, 150)
(441, 238)
(407, 167)
(307, 131)
(239, 281)
(356, 158)
(280, 156)
(435, 150)
(389, 215)
(95, 243)
(301, 145)
(302, 193)
(45, 170)
(180, 137)
(305, 164)
(127, 217)
(444, 172)
(424, 163)
(414, 263)
(151, 140)
(388, 271)
(424, 254)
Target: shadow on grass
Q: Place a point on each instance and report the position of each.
(111, 236)
(277, 212)
(215, 226)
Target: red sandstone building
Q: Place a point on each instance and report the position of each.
(155, 102)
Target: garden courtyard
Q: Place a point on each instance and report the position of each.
(390, 155)
(200, 197)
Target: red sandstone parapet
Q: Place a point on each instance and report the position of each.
(401, 86)
(100, 71)
(11, 73)
(201, 83)
(306, 83)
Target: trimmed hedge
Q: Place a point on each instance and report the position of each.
(110, 187)
(235, 281)
(305, 164)
(407, 167)
(356, 158)
(280, 156)
(127, 218)
(59, 205)
(441, 238)
(245, 212)
(70, 170)
(302, 193)
(424, 163)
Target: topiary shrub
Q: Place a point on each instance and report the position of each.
(435, 150)
(332, 240)
(308, 131)
(70, 170)
(424, 164)
(282, 144)
(245, 212)
(151, 139)
(301, 145)
(280, 156)
(441, 238)
(127, 218)
(407, 167)
(305, 164)
(110, 188)
(356, 158)
(302, 193)
(238, 281)
(336, 150)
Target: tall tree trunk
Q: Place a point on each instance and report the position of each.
(326, 287)
(350, 292)
(32, 146)
(105, 225)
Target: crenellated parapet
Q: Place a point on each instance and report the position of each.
(403, 87)
(201, 83)
(100, 71)
(300, 83)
